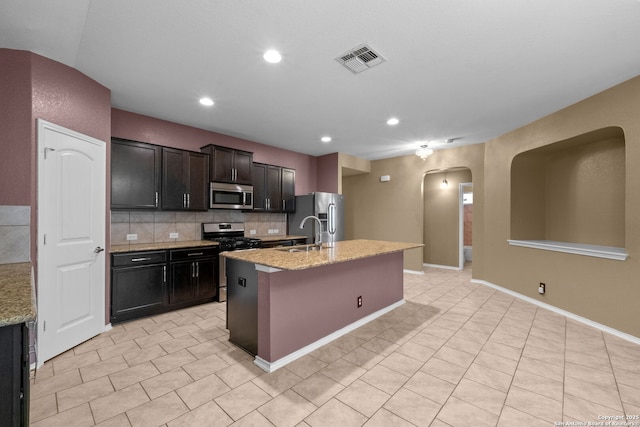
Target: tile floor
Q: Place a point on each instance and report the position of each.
(456, 354)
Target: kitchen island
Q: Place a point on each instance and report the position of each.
(286, 302)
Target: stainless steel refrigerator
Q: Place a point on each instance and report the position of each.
(328, 207)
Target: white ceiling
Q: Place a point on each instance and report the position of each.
(463, 69)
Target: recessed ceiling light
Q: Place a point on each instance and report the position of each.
(206, 101)
(393, 121)
(272, 56)
(325, 139)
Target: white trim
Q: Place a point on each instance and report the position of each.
(417, 272)
(272, 366)
(608, 252)
(604, 328)
(446, 267)
(266, 269)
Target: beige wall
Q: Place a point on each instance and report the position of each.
(394, 210)
(605, 291)
(602, 290)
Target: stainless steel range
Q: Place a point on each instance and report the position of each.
(230, 237)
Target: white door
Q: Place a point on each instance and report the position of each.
(71, 238)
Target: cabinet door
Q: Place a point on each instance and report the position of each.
(259, 187)
(243, 161)
(14, 371)
(135, 175)
(206, 278)
(288, 190)
(174, 179)
(274, 188)
(198, 181)
(222, 164)
(181, 284)
(137, 291)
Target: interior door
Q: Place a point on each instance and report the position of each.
(71, 239)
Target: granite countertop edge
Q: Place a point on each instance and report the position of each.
(343, 251)
(17, 294)
(158, 246)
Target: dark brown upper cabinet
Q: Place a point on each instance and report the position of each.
(273, 188)
(185, 179)
(135, 175)
(288, 190)
(229, 165)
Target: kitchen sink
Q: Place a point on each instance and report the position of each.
(299, 248)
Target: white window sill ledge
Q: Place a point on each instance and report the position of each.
(609, 252)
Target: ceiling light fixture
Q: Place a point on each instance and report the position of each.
(424, 151)
(393, 121)
(325, 139)
(272, 56)
(206, 101)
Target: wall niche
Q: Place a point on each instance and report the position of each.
(569, 196)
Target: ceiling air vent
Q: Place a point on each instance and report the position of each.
(360, 58)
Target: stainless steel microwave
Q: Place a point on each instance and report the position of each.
(230, 196)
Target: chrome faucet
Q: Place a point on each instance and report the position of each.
(318, 241)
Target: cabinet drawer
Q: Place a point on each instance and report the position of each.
(137, 258)
(192, 253)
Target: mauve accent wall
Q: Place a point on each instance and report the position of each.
(128, 125)
(299, 307)
(328, 173)
(15, 128)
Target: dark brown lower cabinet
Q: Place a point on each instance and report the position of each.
(138, 284)
(193, 275)
(14, 371)
(147, 283)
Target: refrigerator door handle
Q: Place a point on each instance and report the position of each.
(332, 218)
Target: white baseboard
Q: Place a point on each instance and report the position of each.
(272, 366)
(562, 312)
(419, 273)
(446, 267)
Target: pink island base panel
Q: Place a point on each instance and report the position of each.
(299, 307)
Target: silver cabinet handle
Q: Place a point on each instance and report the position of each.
(197, 269)
(188, 200)
(139, 259)
(156, 199)
(164, 274)
(195, 254)
(98, 250)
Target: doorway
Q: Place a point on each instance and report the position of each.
(71, 239)
(443, 232)
(465, 216)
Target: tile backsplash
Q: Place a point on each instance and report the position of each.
(152, 227)
(15, 234)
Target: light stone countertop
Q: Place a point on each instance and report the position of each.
(17, 298)
(343, 251)
(275, 237)
(161, 246)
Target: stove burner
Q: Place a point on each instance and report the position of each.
(230, 236)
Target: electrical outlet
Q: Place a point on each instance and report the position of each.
(132, 236)
(542, 288)
(360, 301)
(173, 235)
(252, 232)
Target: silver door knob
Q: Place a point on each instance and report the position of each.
(98, 250)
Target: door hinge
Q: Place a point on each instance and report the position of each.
(46, 150)
(44, 325)
(44, 240)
